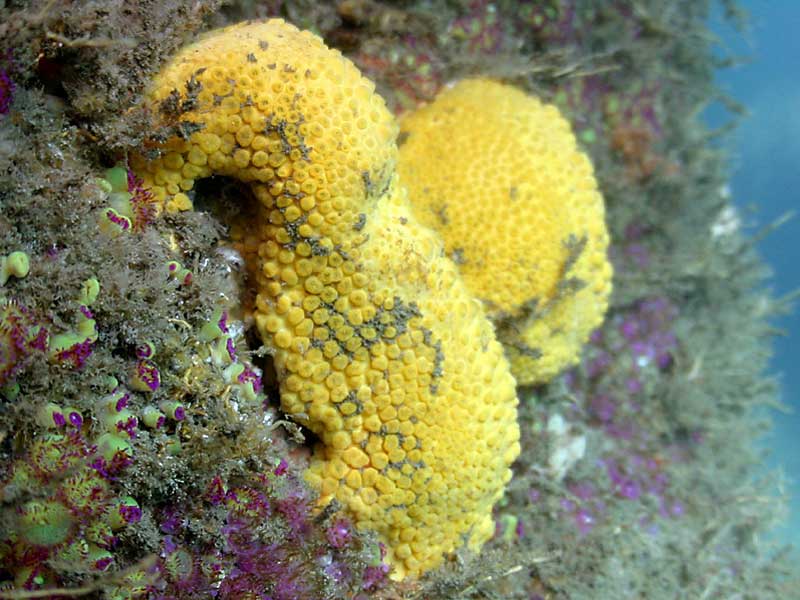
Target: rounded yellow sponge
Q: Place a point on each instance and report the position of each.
(500, 176)
(379, 347)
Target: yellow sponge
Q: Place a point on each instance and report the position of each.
(500, 176)
(379, 347)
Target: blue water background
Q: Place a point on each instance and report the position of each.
(765, 169)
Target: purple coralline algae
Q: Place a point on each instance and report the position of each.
(7, 88)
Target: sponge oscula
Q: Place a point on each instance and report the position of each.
(378, 345)
(500, 176)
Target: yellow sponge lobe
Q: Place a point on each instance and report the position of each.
(253, 102)
(500, 176)
(379, 347)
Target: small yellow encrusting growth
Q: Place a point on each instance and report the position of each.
(500, 176)
(379, 347)
(16, 264)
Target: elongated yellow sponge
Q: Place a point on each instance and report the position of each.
(379, 347)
